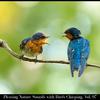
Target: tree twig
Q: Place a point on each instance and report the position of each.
(3, 44)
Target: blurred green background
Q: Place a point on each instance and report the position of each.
(19, 20)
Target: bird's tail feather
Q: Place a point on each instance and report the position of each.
(81, 69)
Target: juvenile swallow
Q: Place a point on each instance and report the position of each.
(33, 46)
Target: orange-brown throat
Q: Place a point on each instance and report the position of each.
(69, 36)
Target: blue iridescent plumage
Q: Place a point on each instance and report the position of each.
(23, 42)
(78, 52)
(38, 36)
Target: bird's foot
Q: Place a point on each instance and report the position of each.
(35, 60)
(21, 56)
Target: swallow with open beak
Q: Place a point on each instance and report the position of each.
(33, 46)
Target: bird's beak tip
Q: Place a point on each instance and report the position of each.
(47, 36)
(64, 36)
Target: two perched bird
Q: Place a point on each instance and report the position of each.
(78, 48)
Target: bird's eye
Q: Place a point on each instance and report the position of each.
(24, 42)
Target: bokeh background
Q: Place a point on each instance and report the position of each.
(19, 20)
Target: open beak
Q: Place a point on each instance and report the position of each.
(64, 36)
(47, 37)
(46, 40)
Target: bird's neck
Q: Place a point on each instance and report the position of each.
(76, 38)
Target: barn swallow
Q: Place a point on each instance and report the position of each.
(78, 50)
(33, 46)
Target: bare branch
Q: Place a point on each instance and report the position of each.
(4, 45)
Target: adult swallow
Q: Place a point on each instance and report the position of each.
(78, 50)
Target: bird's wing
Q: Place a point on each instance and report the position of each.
(85, 50)
(84, 56)
(72, 56)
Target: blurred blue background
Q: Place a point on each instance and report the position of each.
(19, 20)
